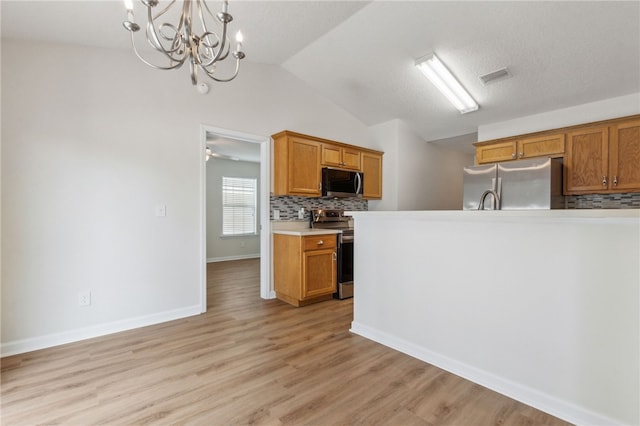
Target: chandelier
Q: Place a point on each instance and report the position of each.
(192, 39)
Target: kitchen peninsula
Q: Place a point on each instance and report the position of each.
(542, 306)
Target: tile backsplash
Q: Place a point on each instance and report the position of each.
(289, 205)
(629, 200)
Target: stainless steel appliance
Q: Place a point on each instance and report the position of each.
(341, 183)
(514, 185)
(335, 219)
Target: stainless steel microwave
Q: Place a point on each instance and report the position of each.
(341, 183)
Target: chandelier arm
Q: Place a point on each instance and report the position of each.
(158, 67)
(206, 60)
(223, 80)
(223, 42)
(177, 41)
(203, 23)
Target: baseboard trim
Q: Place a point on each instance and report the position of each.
(239, 257)
(56, 339)
(549, 404)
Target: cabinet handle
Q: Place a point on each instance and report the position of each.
(335, 256)
(615, 181)
(513, 155)
(320, 242)
(604, 181)
(521, 154)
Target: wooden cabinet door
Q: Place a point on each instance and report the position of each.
(351, 159)
(304, 167)
(624, 157)
(586, 161)
(495, 152)
(372, 171)
(542, 146)
(319, 272)
(335, 156)
(331, 156)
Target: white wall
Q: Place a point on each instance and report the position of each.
(384, 137)
(92, 142)
(595, 111)
(550, 317)
(219, 248)
(417, 175)
(431, 175)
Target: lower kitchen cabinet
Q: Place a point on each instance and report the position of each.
(304, 267)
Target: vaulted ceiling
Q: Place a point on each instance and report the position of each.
(361, 54)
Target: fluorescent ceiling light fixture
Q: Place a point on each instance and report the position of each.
(440, 76)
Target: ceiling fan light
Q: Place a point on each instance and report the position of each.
(446, 83)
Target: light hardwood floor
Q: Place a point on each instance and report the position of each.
(246, 361)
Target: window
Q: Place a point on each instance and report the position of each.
(239, 199)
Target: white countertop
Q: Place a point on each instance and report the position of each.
(504, 216)
(305, 232)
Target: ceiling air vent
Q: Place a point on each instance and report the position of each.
(500, 74)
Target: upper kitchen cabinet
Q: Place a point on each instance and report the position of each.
(340, 157)
(603, 159)
(624, 156)
(296, 161)
(550, 145)
(541, 146)
(372, 171)
(586, 162)
(494, 152)
(599, 158)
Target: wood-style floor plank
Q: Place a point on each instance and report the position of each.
(246, 361)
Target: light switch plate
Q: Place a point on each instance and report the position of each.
(161, 210)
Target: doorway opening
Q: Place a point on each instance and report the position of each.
(234, 145)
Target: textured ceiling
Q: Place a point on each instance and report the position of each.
(361, 54)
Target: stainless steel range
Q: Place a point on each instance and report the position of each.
(335, 219)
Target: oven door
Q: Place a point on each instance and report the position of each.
(345, 267)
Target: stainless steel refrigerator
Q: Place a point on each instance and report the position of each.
(520, 185)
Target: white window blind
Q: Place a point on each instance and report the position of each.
(239, 199)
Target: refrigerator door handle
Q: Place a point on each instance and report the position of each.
(498, 188)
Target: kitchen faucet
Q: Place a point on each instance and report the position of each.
(495, 203)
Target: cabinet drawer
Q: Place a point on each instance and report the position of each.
(316, 242)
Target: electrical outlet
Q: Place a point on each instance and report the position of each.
(84, 298)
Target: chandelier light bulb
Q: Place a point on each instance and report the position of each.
(239, 40)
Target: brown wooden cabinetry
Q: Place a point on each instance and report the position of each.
(298, 160)
(603, 159)
(341, 157)
(541, 146)
(586, 161)
(551, 145)
(372, 170)
(304, 268)
(496, 152)
(297, 169)
(624, 156)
